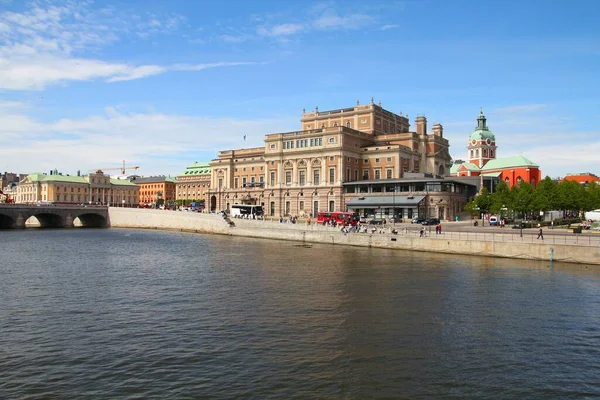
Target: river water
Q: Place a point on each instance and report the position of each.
(111, 313)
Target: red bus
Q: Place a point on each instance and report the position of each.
(349, 218)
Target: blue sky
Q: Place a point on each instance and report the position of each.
(161, 84)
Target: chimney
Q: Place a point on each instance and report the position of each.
(421, 122)
(438, 130)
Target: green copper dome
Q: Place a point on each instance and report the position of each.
(482, 132)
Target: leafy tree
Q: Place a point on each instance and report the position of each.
(484, 200)
(524, 200)
(501, 198)
(547, 194)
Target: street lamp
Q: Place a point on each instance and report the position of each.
(394, 205)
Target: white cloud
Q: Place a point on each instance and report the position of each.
(35, 73)
(157, 142)
(280, 30)
(37, 46)
(333, 21)
(390, 26)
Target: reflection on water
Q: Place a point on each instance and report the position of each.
(125, 313)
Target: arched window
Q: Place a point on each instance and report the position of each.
(335, 125)
(477, 153)
(491, 153)
(485, 152)
(471, 153)
(323, 126)
(507, 180)
(519, 180)
(348, 125)
(441, 170)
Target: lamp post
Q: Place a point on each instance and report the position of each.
(394, 205)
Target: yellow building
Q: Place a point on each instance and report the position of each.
(95, 188)
(304, 172)
(193, 183)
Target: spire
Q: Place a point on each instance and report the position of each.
(481, 121)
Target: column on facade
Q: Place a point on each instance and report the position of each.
(295, 179)
(324, 176)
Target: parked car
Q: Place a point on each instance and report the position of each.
(417, 220)
(431, 221)
(376, 221)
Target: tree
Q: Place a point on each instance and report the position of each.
(501, 198)
(524, 200)
(547, 194)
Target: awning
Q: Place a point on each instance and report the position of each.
(384, 201)
(494, 174)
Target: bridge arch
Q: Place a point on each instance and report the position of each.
(48, 220)
(89, 220)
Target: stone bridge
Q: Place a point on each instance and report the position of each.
(14, 216)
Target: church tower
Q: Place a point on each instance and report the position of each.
(482, 143)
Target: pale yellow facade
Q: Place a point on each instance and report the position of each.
(303, 172)
(95, 188)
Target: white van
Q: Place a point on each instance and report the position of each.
(493, 221)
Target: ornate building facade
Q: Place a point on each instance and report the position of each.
(482, 160)
(95, 188)
(307, 171)
(193, 183)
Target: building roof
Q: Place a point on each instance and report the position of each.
(482, 132)
(384, 201)
(122, 182)
(582, 178)
(154, 179)
(508, 162)
(39, 177)
(197, 169)
(469, 166)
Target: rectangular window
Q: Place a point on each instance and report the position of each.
(312, 142)
(320, 141)
(389, 159)
(377, 160)
(355, 174)
(288, 177)
(366, 174)
(244, 181)
(365, 161)
(302, 177)
(331, 158)
(287, 208)
(272, 179)
(348, 174)
(301, 206)
(331, 175)
(253, 179)
(377, 174)
(331, 205)
(272, 209)
(316, 176)
(388, 174)
(262, 179)
(315, 208)
(235, 183)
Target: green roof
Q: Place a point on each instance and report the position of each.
(61, 178)
(508, 162)
(482, 135)
(197, 169)
(469, 166)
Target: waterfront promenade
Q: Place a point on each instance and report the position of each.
(556, 246)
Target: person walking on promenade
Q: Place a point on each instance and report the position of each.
(421, 232)
(440, 228)
(540, 234)
(437, 229)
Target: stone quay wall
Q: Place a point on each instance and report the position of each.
(215, 224)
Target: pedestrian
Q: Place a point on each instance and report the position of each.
(440, 228)
(421, 232)
(540, 234)
(552, 224)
